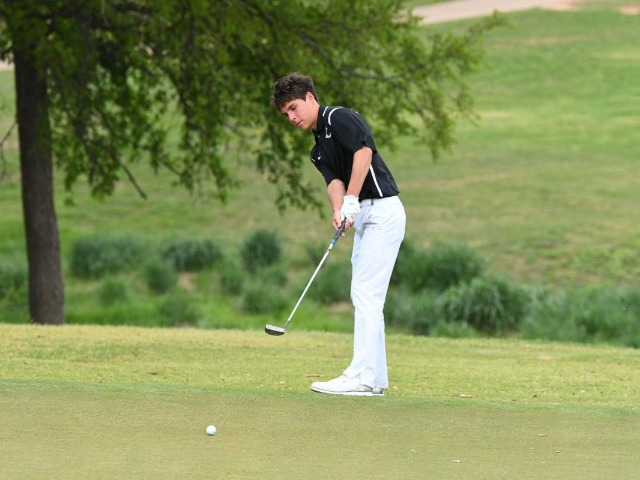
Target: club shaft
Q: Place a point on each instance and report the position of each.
(306, 288)
(326, 254)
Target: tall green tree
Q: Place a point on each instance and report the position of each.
(100, 84)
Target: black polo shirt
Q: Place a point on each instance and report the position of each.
(340, 133)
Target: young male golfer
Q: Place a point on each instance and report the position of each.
(361, 190)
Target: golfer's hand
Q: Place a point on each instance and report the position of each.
(350, 209)
(337, 221)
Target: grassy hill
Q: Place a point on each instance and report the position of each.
(543, 185)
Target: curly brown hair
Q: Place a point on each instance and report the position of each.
(291, 87)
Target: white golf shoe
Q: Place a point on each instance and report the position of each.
(344, 385)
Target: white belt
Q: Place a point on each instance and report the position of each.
(371, 201)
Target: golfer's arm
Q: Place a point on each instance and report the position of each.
(336, 191)
(361, 163)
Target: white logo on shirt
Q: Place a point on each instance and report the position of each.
(327, 133)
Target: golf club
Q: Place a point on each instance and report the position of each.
(273, 330)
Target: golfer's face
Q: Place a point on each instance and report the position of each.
(302, 113)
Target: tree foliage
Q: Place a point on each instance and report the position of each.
(183, 84)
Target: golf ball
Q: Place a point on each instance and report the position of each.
(211, 430)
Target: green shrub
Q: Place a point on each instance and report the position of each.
(232, 278)
(275, 274)
(587, 315)
(437, 268)
(178, 309)
(99, 255)
(452, 265)
(491, 305)
(112, 291)
(13, 312)
(453, 330)
(160, 276)
(141, 314)
(261, 249)
(412, 312)
(260, 297)
(13, 292)
(410, 263)
(13, 278)
(332, 284)
(314, 252)
(191, 255)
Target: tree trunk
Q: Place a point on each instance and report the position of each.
(46, 287)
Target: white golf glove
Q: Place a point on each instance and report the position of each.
(350, 208)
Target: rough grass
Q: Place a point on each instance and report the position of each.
(105, 402)
(489, 371)
(541, 183)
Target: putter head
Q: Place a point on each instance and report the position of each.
(273, 330)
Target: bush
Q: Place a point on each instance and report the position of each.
(179, 309)
(437, 268)
(453, 330)
(260, 297)
(275, 275)
(232, 278)
(404, 270)
(332, 284)
(16, 313)
(314, 252)
(489, 304)
(13, 293)
(99, 255)
(414, 312)
(13, 278)
(260, 250)
(130, 313)
(191, 255)
(586, 315)
(452, 265)
(160, 276)
(112, 291)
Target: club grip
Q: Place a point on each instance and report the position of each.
(339, 232)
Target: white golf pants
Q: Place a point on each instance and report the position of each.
(380, 227)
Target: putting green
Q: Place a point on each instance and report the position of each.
(75, 431)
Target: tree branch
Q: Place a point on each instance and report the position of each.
(133, 181)
(3, 160)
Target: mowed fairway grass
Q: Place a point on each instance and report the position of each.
(82, 402)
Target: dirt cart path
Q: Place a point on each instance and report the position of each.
(461, 9)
